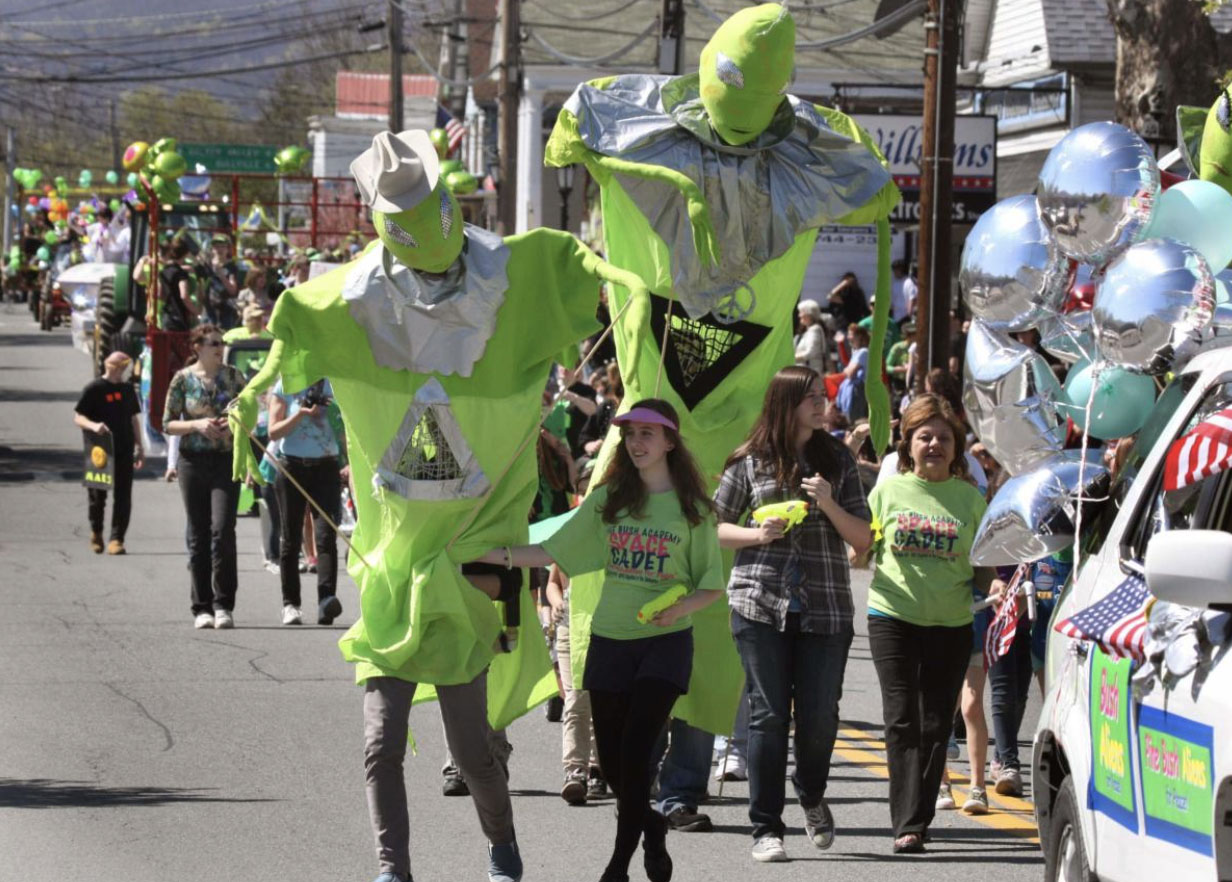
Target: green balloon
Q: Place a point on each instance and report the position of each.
(50, 238)
(114, 205)
(86, 177)
(169, 165)
(132, 179)
(112, 178)
(44, 253)
(460, 183)
(451, 165)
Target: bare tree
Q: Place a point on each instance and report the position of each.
(1168, 53)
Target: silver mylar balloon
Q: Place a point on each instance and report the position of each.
(1152, 306)
(1097, 190)
(1010, 395)
(1032, 515)
(1012, 273)
(1068, 336)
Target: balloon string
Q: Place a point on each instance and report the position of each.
(1082, 467)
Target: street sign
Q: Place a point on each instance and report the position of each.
(901, 138)
(231, 157)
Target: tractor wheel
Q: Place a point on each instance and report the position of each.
(106, 323)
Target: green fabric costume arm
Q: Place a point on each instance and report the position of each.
(638, 305)
(884, 200)
(565, 147)
(242, 417)
(875, 391)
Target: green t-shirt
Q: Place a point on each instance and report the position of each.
(640, 558)
(924, 573)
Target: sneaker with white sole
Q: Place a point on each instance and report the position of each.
(1009, 782)
(945, 799)
(574, 791)
(769, 849)
(977, 802)
(732, 768)
(271, 566)
(291, 615)
(223, 619)
(203, 621)
(819, 825)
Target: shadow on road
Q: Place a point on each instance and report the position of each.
(8, 393)
(22, 464)
(43, 793)
(40, 339)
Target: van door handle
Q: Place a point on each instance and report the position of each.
(1079, 648)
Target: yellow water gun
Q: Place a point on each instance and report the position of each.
(660, 603)
(792, 511)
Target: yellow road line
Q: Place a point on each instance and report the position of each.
(1015, 817)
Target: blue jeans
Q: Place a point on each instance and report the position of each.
(686, 766)
(783, 668)
(1009, 680)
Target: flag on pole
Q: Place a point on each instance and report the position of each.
(1117, 624)
(453, 127)
(1200, 453)
(1004, 627)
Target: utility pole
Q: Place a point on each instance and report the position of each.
(510, 85)
(453, 63)
(116, 155)
(395, 66)
(936, 186)
(10, 162)
(671, 37)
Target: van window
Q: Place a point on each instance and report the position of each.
(1205, 504)
(1143, 443)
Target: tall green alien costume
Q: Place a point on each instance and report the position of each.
(713, 187)
(438, 342)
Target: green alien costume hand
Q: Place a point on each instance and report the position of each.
(242, 416)
(1216, 154)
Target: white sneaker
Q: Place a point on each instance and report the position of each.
(223, 619)
(769, 849)
(291, 615)
(203, 620)
(271, 566)
(732, 768)
(945, 798)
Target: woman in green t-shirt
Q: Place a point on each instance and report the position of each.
(649, 525)
(919, 617)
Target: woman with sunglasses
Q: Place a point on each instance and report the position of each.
(196, 404)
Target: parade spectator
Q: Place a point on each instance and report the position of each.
(635, 671)
(180, 308)
(898, 365)
(196, 406)
(255, 291)
(609, 391)
(903, 291)
(851, 399)
(790, 594)
(109, 406)
(311, 451)
(578, 401)
(219, 276)
(811, 341)
(847, 301)
(920, 620)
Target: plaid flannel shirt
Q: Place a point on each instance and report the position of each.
(809, 562)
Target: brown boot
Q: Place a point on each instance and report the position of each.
(115, 546)
(96, 543)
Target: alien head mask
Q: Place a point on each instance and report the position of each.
(745, 69)
(416, 217)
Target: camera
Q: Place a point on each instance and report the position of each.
(315, 396)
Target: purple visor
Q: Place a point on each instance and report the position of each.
(645, 415)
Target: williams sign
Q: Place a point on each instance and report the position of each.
(901, 139)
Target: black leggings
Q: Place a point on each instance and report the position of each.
(627, 725)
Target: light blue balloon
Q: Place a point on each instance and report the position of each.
(1198, 213)
(1122, 401)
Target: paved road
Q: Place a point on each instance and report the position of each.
(135, 749)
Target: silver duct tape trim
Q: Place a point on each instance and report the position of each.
(797, 175)
(472, 484)
(428, 324)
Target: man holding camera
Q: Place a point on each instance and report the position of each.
(312, 446)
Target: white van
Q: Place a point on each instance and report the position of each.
(1134, 788)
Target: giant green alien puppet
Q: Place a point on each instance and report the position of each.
(713, 187)
(437, 343)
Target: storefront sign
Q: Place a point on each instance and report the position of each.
(901, 139)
